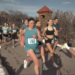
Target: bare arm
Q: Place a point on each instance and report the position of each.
(44, 33)
(39, 35)
(56, 33)
(22, 33)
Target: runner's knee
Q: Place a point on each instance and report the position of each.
(36, 62)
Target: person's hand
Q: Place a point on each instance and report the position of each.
(34, 36)
(46, 38)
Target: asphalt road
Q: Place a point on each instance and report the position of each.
(12, 60)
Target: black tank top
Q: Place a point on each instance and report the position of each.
(48, 32)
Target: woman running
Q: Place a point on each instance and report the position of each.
(40, 45)
(31, 43)
(48, 34)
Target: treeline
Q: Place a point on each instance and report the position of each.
(66, 22)
(14, 16)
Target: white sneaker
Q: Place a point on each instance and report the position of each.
(0, 46)
(55, 65)
(44, 67)
(27, 55)
(25, 64)
(64, 46)
(13, 47)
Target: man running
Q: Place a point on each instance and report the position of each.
(41, 48)
(5, 33)
(1, 32)
(25, 25)
(14, 33)
(31, 44)
(57, 26)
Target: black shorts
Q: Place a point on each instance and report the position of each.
(5, 35)
(14, 36)
(1, 37)
(49, 41)
(40, 43)
(56, 37)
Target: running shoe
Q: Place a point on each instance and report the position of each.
(55, 65)
(44, 67)
(25, 64)
(5, 45)
(13, 47)
(64, 46)
(27, 55)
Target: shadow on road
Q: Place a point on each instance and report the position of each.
(7, 65)
(50, 65)
(67, 53)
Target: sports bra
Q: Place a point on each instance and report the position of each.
(48, 32)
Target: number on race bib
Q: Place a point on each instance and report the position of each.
(14, 31)
(5, 32)
(31, 41)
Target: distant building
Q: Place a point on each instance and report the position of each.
(44, 15)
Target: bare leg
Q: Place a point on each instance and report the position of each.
(51, 51)
(42, 53)
(35, 60)
(0, 41)
(55, 44)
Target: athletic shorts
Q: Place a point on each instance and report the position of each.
(40, 43)
(1, 37)
(51, 41)
(35, 49)
(14, 36)
(56, 38)
(5, 35)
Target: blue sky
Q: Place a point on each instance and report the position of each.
(30, 7)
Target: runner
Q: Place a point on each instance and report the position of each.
(55, 24)
(14, 33)
(65, 46)
(5, 33)
(38, 24)
(1, 32)
(48, 34)
(31, 44)
(25, 25)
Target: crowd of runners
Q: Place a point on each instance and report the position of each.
(35, 40)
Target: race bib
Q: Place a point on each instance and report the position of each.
(5, 32)
(31, 41)
(52, 42)
(14, 31)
